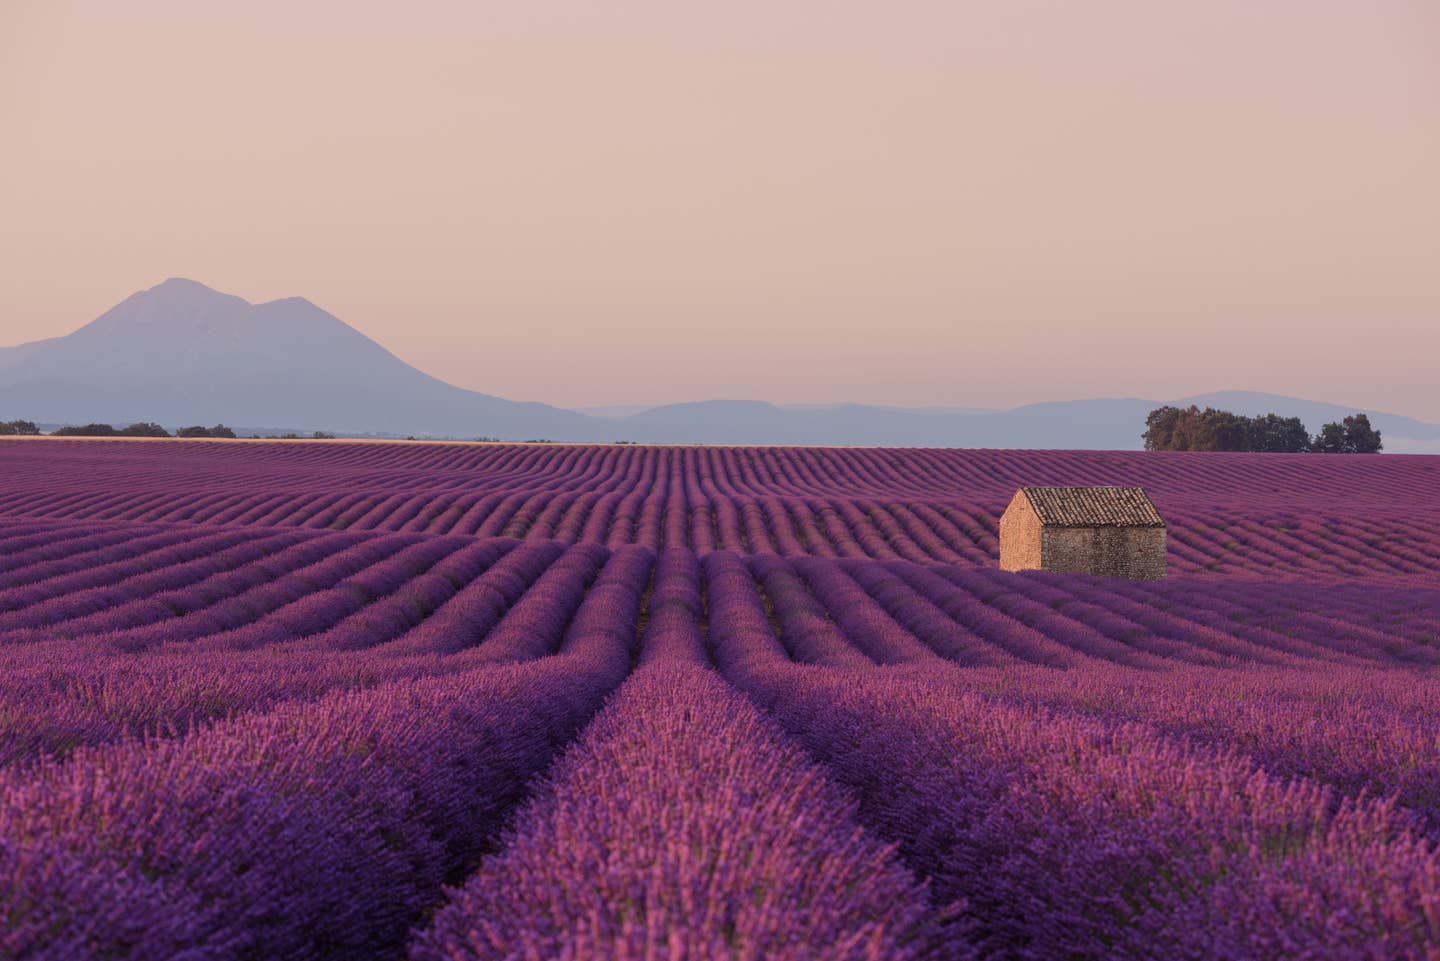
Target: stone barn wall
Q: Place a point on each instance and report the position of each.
(1021, 548)
(1134, 552)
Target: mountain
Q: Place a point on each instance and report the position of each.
(1096, 424)
(181, 353)
(615, 412)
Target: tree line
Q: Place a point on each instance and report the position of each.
(1190, 428)
(140, 429)
(28, 428)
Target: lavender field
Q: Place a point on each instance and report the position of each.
(439, 702)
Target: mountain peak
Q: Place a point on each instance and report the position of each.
(292, 302)
(184, 287)
(180, 293)
(181, 282)
(181, 352)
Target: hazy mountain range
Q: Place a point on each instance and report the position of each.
(181, 353)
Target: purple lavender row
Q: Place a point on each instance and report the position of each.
(1069, 621)
(685, 825)
(859, 616)
(24, 534)
(469, 617)
(1009, 597)
(76, 553)
(1339, 622)
(287, 602)
(1105, 854)
(227, 600)
(1366, 731)
(899, 611)
(612, 604)
(1214, 609)
(1078, 612)
(319, 829)
(316, 602)
(107, 566)
(1157, 615)
(535, 625)
(925, 506)
(791, 526)
(405, 592)
(1009, 635)
(159, 572)
(927, 619)
(804, 627)
(675, 613)
(1070, 837)
(58, 695)
(740, 472)
(82, 705)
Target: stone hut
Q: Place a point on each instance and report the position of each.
(1113, 531)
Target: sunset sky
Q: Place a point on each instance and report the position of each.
(920, 203)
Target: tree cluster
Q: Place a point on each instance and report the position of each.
(1190, 428)
(85, 430)
(140, 429)
(1353, 435)
(219, 430)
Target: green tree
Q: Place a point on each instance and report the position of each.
(1360, 437)
(1352, 435)
(220, 430)
(22, 428)
(1188, 433)
(1275, 434)
(85, 430)
(1330, 440)
(194, 430)
(1221, 430)
(1160, 427)
(144, 429)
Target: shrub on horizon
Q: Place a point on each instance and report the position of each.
(85, 430)
(18, 428)
(144, 429)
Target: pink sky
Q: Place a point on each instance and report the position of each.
(607, 203)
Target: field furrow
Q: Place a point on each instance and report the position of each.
(346, 700)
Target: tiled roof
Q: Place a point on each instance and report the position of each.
(1093, 507)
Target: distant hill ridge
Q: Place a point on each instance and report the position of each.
(182, 353)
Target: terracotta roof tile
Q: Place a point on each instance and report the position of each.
(1093, 507)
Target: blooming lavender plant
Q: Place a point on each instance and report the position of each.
(685, 825)
(267, 700)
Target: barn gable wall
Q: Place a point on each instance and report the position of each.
(1020, 539)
